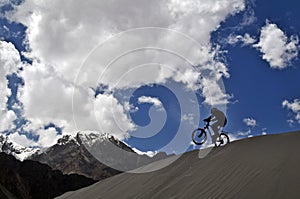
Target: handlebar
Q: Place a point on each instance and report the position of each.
(207, 120)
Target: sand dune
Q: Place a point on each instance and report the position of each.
(258, 167)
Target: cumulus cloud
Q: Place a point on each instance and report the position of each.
(63, 40)
(55, 100)
(277, 49)
(250, 122)
(47, 137)
(6, 120)
(111, 117)
(130, 108)
(245, 40)
(21, 140)
(293, 106)
(152, 100)
(9, 62)
(72, 24)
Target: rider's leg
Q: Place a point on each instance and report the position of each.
(215, 128)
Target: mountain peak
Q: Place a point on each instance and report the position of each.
(87, 138)
(90, 137)
(10, 147)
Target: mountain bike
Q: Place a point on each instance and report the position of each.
(199, 135)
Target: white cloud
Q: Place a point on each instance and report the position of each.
(111, 116)
(290, 122)
(264, 131)
(245, 40)
(188, 117)
(293, 106)
(233, 137)
(58, 101)
(60, 36)
(152, 100)
(45, 96)
(213, 92)
(244, 133)
(70, 25)
(276, 47)
(47, 137)
(250, 122)
(249, 17)
(21, 140)
(130, 108)
(9, 62)
(6, 120)
(4, 2)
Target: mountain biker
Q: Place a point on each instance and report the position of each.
(219, 120)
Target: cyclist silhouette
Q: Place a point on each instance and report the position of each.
(219, 120)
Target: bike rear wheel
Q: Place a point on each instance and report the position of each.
(199, 136)
(223, 139)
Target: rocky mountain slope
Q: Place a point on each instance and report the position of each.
(258, 167)
(72, 154)
(33, 180)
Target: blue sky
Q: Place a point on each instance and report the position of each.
(261, 93)
(258, 88)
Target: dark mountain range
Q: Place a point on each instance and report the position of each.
(5, 194)
(258, 167)
(34, 180)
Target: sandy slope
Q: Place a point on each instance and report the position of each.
(258, 167)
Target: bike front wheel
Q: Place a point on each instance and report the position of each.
(223, 139)
(199, 136)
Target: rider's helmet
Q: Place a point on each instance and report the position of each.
(214, 110)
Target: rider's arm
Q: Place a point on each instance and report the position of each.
(213, 118)
(208, 119)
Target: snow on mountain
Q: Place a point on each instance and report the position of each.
(86, 138)
(91, 137)
(20, 152)
(148, 153)
(67, 139)
(70, 155)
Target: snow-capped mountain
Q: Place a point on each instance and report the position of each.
(9, 147)
(92, 154)
(88, 153)
(70, 154)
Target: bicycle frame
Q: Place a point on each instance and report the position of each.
(206, 128)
